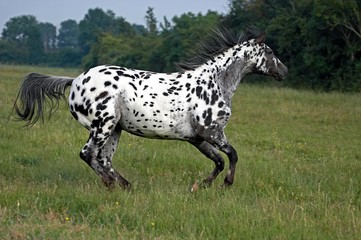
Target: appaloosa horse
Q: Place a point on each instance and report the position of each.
(193, 104)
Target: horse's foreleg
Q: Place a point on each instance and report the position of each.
(212, 153)
(216, 138)
(233, 158)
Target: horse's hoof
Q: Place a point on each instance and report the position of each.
(226, 184)
(206, 183)
(127, 187)
(194, 187)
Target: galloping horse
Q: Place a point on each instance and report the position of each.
(192, 105)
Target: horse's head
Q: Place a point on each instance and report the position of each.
(261, 59)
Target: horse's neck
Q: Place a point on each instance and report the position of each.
(226, 72)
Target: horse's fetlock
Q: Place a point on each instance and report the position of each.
(85, 156)
(220, 166)
(227, 182)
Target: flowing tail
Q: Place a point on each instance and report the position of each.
(35, 91)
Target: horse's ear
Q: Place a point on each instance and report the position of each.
(261, 38)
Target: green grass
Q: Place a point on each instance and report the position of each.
(298, 177)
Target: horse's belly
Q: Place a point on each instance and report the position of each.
(155, 133)
(157, 127)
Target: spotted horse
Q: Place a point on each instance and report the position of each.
(192, 105)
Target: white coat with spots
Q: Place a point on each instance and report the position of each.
(193, 105)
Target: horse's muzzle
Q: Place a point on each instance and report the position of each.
(281, 74)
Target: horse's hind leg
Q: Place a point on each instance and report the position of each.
(90, 152)
(105, 157)
(212, 153)
(98, 153)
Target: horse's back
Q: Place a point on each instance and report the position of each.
(143, 103)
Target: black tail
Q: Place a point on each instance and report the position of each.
(34, 91)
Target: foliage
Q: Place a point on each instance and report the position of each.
(298, 174)
(48, 36)
(151, 22)
(68, 36)
(22, 38)
(96, 22)
(153, 51)
(319, 40)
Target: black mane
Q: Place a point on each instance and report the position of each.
(220, 41)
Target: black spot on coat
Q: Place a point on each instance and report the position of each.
(101, 95)
(214, 97)
(80, 108)
(208, 119)
(131, 84)
(86, 80)
(198, 91)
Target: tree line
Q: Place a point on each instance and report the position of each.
(319, 40)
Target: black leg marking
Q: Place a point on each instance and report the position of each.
(212, 153)
(105, 157)
(216, 138)
(98, 153)
(233, 159)
(89, 155)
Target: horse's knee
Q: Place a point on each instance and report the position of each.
(218, 161)
(231, 152)
(220, 165)
(85, 155)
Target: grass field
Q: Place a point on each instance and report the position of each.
(298, 177)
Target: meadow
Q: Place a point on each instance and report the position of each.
(298, 175)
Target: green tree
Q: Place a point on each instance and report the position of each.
(151, 22)
(154, 52)
(68, 34)
(69, 52)
(10, 52)
(317, 39)
(48, 36)
(318, 56)
(112, 50)
(249, 14)
(97, 22)
(180, 41)
(139, 29)
(22, 33)
(345, 17)
(166, 25)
